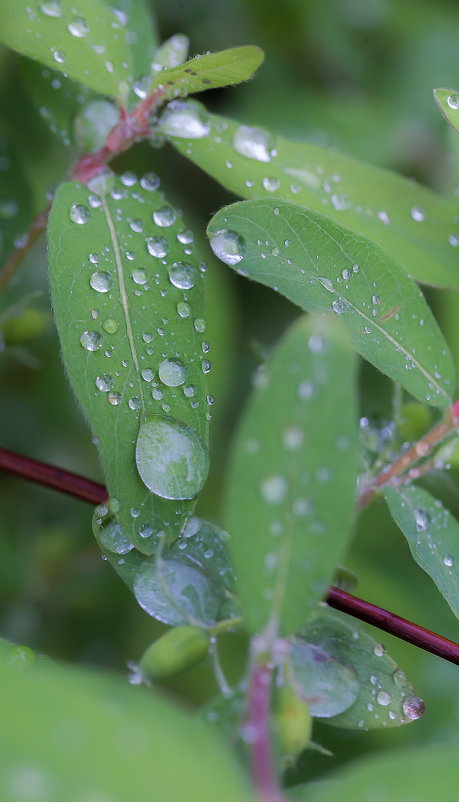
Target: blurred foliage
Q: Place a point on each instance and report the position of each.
(353, 74)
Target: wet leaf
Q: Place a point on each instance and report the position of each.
(192, 582)
(432, 534)
(106, 740)
(448, 102)
(383, 696)
(137, 18)
(128, 300)
(422, 774)
(82, 38)
(292, 478)
(322, 266)
(15, 196)
(226, 713)
(209, 71)
(414, 226)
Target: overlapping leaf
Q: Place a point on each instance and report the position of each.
(432, 534)
(128, 301)
(414, 226)
(292, 478)
(15, 196)
(82, 38)
(322, 266)
(349, 678)
(105, 740)
(448, 102)
(137, 18)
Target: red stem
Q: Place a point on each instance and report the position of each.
(257, 729)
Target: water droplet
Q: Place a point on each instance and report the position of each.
(104, 383)
(292, 438)
(134, 403)
(271, 184)
(399, 677)
(339, 306)
(182, 275)
(421, 519)
(305, 390)
(51, 9)
(150, 182)
(164, 217)
(171, 458)
(185, 119)
(378, 650)
(317, 344)
(383, 698)
(59, 56)
(206, 365)
(139, 276)
(172, 372)
(448, 559)
(254, 143)
(114, 399)
(157, 246)
(327, 283)
(113, 539)
(413, 707)
(147, 374)
(183, 309)
(185, 236)
(346, 274)
(227, 246)
(110, 325)
(340, 202)
(91, 340)
(146, 531)
(417, 214)
(274, 488)
(453, 101)
(136, 225)
(78, 28)
(101, 281)
(189, 391)
(79, 214)
(157, 394)
(94, 258)
(375, 299)
(200, 325)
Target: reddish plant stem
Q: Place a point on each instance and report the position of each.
(258, 728)
(394, 625)
(50, 476)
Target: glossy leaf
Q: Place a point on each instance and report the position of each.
(414, 226)
(448, 102)
(15, 196)
(209, 71)
(292, 478)
(322, 266)
(82, 38)
(192, 582)
(128, 300)
(422, 774)
(383, 697)
(105, 740)
(432, 534)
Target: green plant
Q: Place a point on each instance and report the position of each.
(346, 243)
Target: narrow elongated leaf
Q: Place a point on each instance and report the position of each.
(432, 534)
(413, 225)
(421, 774)
(105, 741)
(15, 196)
(352, 680)
(292, 479)
(448, 102)
(210, 71)
(128, 301)
(82, 38)
(322, 266)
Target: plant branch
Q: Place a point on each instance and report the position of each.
(257, 735)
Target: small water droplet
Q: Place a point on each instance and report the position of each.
(383, 698)
(185, 119)
(254, 143)
(182, 275)
(292, 438)
(228, 246)
(51, 9)
(91, 340)
(375, 299)
(113, 539)
(183, 309)
(150, 182)
(448, 559)
(378, 650)
(189, 391)
(421, 519)
(110, 325)
(172, 372)
(78, 28)
(114, 399)
(164, 217)
(59, 56)
(339, 306)
(417, 214)
(413, 707)
(134, 403)
(139, 276)
(453, 101)
(157, 246)
(200, 325)
(305, 390)
(104, 383)
(101, 281)
(271, 184)
(185, 236)
(274, 488)
(79, 214)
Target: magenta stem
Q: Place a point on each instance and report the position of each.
(258, 735)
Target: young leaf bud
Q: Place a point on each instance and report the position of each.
(177, 650)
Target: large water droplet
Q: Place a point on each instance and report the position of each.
(254, 143)
(101, 281)
(171, 458)
(157, 246)
(188, 120)
(164, 217)
(227, 246)
(91, 340)
(172, 372)
(79, 214)
(413, 707)
(182, 275)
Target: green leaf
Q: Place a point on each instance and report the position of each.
(137, 18)
(412, 224)
(432, 534)
(421, 774)
(82, 38)
(322, 266)
(172, 53)
(292, 479)
(383, 697)
(15, 196)
(210, 71)
(105, 740)
(128, 300)
(448, 102)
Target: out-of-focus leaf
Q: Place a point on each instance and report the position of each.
(292, 478)
(414, 226)
(128, 301)
(137, 18)
(82, 38)
(432, 534)
(448, 102)
(105, 740)
(322, 266)
(15, 196)
(383, 697)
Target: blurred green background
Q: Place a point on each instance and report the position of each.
(356, 75)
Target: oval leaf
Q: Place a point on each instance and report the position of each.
(292, 478)
(448, 102)
(412, 224)
(128, 301)
(432, 534)
(82, 38)
(322, 266)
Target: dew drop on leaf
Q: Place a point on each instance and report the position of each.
(112, 538)
(164, 217)
(171, 458)
(228, 246)
(274, 489)
(413, 707)
(421, 519)
(157, 246)
(182, 275)
(254, 143)
(101, 281)
(78, 28)
(453, 101)
(187, 120)
(150, 182)
(172, 372)
(79, 214)
(91, 340)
